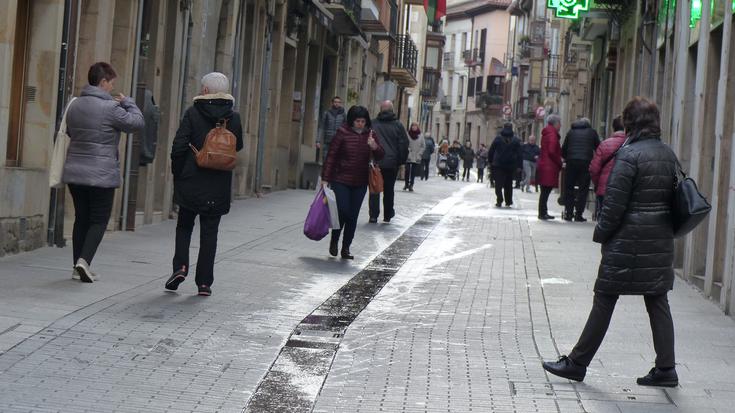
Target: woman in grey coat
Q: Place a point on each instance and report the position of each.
(92, 167)
(636, 231)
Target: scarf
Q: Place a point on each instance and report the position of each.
(414, 134)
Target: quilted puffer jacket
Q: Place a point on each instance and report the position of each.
(635, 225)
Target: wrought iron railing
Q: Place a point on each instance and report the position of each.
(448, 63)
(353, 8)
(430, 83)
(405, 54)
(473, 57)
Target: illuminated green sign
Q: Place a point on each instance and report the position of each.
(569, 9)
(695, 13)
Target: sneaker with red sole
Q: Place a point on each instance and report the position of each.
(176, 278)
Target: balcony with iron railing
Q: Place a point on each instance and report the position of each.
(552, 78)
(347, 15)
(379, 18)
(473, 57)
(446, 104)
(404, 58)
(430, 84)
(448, 63)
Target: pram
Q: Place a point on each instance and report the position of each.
(451, 166)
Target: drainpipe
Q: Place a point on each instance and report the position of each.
(55, 229)
(129, 137)
(264, 96)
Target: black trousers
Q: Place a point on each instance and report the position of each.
(410, 173)
(389, 183)
(349, 202)
(425, 169)
(92, 209)
(577, 174)
(662, 327)
(543, 200)
(480, 174)
(209, 227)
(503, 185)
(466, 173)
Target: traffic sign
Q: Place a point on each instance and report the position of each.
(540, 112)
(507, 110)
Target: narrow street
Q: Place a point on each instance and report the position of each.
(483, 296)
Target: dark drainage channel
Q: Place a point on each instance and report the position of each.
(293, 382)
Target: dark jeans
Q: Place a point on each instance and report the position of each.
(480, 174)
(543, 201)
(389, 183)
(577, 174)
(349, 202)
(410, 173)
(503, 185)
(425, 169)
(662, 327)
(209, 227)
(92, 209)
(466, 173)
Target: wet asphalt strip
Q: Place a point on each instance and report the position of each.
(293, 382)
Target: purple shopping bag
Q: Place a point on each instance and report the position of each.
(318, 223)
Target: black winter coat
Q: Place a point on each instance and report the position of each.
(204, 191)
(468, 157)
(505, 151)
(580, 142)
(393, 138)
(635, 225)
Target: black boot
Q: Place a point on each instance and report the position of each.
(565, 368)
(346, 254)
(333, 246)
(660, 377)
(579, 218)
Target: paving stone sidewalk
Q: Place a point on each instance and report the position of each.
(124, 344)
(465, 324)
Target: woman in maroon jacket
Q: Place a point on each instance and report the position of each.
(549, 164)
(603, 162)
(346, 172)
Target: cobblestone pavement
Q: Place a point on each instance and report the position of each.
(462, 326)
(465, 324)
(124, 344)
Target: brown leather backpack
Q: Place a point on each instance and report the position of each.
(219, 150)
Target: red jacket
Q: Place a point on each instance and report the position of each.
(348, 158)
(549, 163)
(602, 163)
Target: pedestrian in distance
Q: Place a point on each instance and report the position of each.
(200, 191)
(578, 148)
(604, 160)
(468, 160)
(416, 149)
(549, 164)
(531, 153)
(429, 148)
(636, 231)
(394, 140)
(507, 160)
(481, 162)
(332, 119)
(92, 166)
(346, 172)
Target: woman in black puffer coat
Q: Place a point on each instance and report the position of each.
(636, 232)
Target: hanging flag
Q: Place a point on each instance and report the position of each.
(435, 9)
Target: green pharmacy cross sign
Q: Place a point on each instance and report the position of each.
(568, 9)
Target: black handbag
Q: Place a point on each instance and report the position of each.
(690, 206)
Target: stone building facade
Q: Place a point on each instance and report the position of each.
(286, 59)
(680, 54)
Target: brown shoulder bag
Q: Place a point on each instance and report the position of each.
(219, 151)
